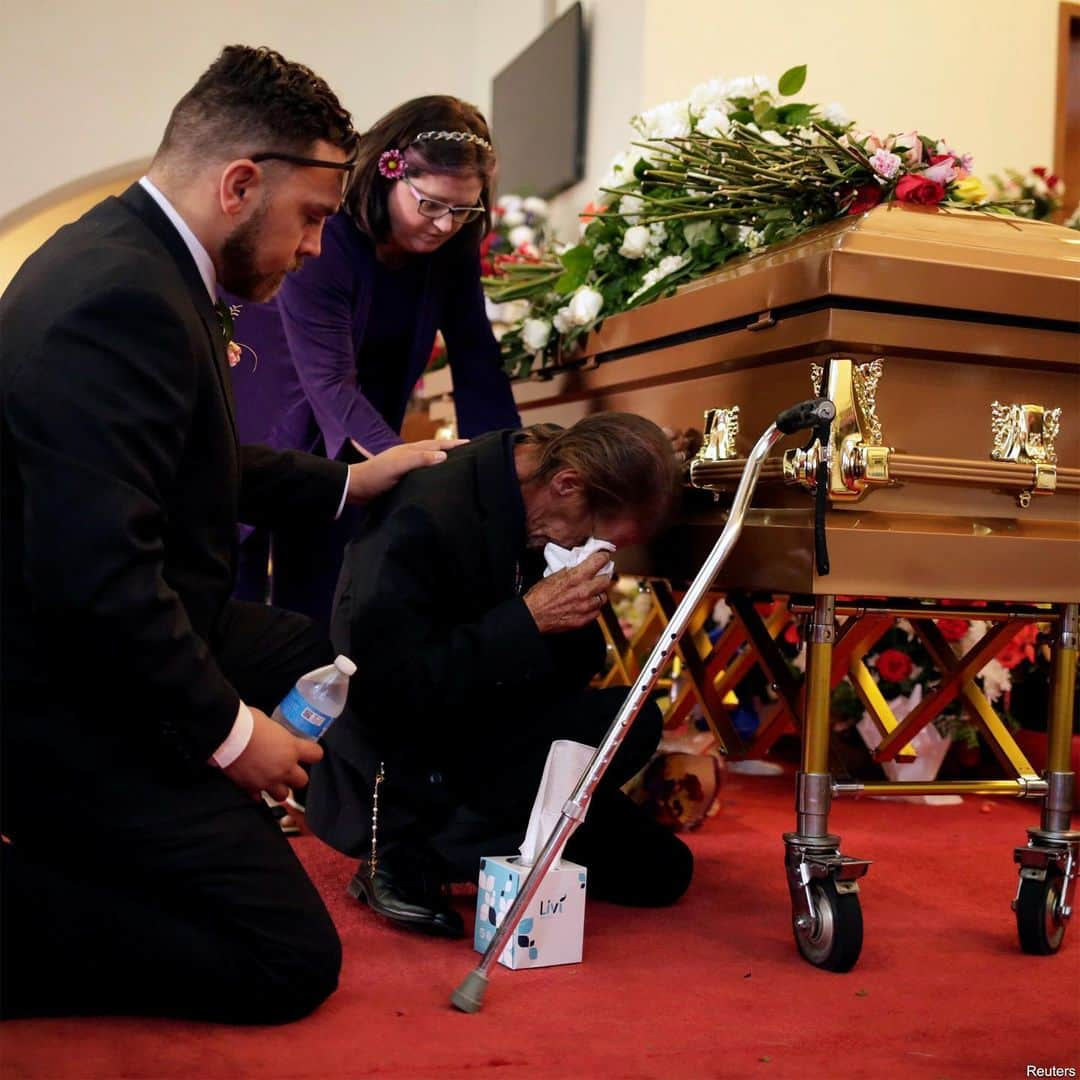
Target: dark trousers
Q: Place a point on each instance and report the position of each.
(201, 910)
(475, 800)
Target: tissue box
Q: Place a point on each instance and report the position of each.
(553, 926)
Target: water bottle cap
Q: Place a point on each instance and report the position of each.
(345, 665)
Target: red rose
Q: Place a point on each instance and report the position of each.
(894, 666)
(953, 629)
(866, 198)
(1021, 647)
(919, 191)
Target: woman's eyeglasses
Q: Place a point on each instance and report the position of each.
(433, 209)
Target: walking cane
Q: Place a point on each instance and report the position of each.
(817, 413)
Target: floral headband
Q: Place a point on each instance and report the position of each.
(392, 164)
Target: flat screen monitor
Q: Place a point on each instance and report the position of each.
(538, 112)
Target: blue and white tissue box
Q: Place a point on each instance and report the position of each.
(552, 928)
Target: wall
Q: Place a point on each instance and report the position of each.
(87, 88)
(982, 76)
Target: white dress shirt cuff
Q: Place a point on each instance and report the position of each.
(239, 737)
(344, 496)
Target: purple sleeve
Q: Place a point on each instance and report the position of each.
(318, 306)
(483, 399)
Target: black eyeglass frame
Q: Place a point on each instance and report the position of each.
(474, 212)
(296, 159)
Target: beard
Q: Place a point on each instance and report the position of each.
(239, 272)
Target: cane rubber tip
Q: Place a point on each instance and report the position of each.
(469, 996)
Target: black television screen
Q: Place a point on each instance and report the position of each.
(538, 111)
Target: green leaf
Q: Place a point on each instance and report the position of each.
(741, 116)
(791, 82)
(578, 261)
(796, 115)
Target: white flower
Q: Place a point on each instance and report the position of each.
(536, 206)
(714, 122)
(508, 202)
(668, 265)
(709, 95)
(563, 321)
(657, 239)
(774, 137)
(619, 172)
(535, 333)
(635, 241)
(512, 218)
(521, 234)
(755, 239)
(630, 206)
(748, 86)
(600, 252)
(739, 234)
(513, 311)
(699, 232)
(585, 305)
(671, 120)
(835, 114)
(996, 679)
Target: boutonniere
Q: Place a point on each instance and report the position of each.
(226, 315)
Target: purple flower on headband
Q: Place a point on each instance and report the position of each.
(392, 164)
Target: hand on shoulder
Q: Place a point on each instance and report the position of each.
(380, 473)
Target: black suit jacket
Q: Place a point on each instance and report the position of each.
(122, 485)
(430, 607)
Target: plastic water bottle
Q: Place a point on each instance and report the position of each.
(316, 700)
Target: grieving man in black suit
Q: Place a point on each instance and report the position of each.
(470, 663)
(141, 871)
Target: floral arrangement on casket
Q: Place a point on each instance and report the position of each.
(728, 171)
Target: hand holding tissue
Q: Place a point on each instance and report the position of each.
(560, 558)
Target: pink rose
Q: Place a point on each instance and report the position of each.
(232, 351)
(909, 147)
(942, 169)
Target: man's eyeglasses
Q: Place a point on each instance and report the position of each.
(295, 159)
(433, 209)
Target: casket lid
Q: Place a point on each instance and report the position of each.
(918, 260)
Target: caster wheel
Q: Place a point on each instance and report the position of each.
(834, 940)
(1038, 914)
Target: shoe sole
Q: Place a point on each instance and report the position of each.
(356, 891)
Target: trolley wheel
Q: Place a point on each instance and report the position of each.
(1038, 913)
(834, 940)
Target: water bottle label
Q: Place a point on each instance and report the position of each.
(302, 717)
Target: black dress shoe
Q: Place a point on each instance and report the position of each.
(409, 897)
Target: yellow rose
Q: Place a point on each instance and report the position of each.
(970, 190)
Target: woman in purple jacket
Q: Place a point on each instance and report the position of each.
(400, 261)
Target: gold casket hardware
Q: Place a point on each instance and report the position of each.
(1026, 434)
(721, 427)
(1025, 458)
(855, 456)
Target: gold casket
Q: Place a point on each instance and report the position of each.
(949, 343)
(946, 314)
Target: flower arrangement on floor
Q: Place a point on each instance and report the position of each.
(1036, 194)
(730, 170)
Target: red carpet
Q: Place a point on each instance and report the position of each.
(711, 988)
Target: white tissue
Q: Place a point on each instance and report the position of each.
(566, 761)
(560, 558)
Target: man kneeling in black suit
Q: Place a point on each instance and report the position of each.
(470, 663)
